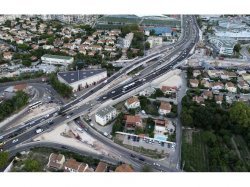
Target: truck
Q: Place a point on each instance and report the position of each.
(38, 131)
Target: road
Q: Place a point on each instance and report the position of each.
(180, 51)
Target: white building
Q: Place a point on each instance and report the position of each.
(225, 46)
(82, 78)
(105, 115)
(126, 42)
(57, 60)
(132, 103)
(154, 41)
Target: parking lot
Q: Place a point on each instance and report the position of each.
(148, 144)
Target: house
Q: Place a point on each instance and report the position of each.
(109, 48)
(196, 73)
(165, 108)
(207, 94)
(131, 122)
(217, 86)
(214, 73)
(206, 83)
(226, 75)
(230, 87)
(71, 165)
(124, 168)
(169, 89)
(56, 161)
(147, 91)
(246, 76)
(7, 55)
(218, 99)
(161, 127)
(101, 167)
(132, 103)
(105, 115)
(198, 99)
(243, 85)
(194, 83)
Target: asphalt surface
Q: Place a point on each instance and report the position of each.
(182, 49)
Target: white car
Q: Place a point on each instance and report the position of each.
(67, 117)
(113, 92)
(156, 164)
(14, 141)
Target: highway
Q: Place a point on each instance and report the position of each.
(181, 50)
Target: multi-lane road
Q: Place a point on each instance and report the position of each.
(69, 112)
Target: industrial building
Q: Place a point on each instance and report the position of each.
(82, 78)
(105, 115)
(225, 46)
(57, 59)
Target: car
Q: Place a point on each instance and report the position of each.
(68, 116)
(137, 139)
(162, 144)
(128, 137)
(14, 141)
(156, 164)
(141, 159)
(113, 92)
(134, 138)
(132, 155)
(1, 137)
(104, 97)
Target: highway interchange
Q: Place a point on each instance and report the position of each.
(178, 52)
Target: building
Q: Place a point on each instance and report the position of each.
(229, 86)
(194, 83)
(161, 127)
(154, 41)
(126, 42)
(246, 76)
(82, 78)
(165, 108)
(132, 122)
(207, 94)
(57, 60)
(217, 86)
(105, 115)
(71, 165)
(196, 73)
(102, 167)
(124, 168)
(198, 99)
(147, 91)
(56, 161)
(243, 85)
(169, 89)
(132, 103)
(7, 55)
(225, 46)
(218, 99)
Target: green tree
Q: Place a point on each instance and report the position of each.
(146, 168)
(147, 45)
(4, 157)
(31, 165)
(240, 114)
(237, 48)
(26, 63)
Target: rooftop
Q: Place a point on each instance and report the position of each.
(124, 168)
(101, 167)
(104, 111)
(74, 76)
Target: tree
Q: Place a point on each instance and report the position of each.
(146, 168)
(237, 48)
(240, 114)
(26, 63)
(4, 157)
(147, 45)
(31, 165)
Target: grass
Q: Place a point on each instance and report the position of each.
(243, 149)
(194, 153)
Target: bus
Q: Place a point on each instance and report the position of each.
(131, 84)
(34, 105)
